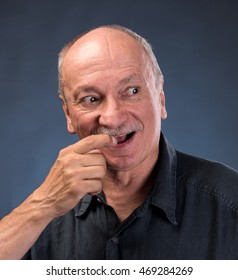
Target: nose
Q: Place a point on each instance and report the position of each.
(111, 114)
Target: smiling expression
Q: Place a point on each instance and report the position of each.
(109, 87)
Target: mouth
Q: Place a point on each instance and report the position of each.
(124, 134)
(124, 138)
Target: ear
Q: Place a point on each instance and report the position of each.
(70, 126)
(162, 104)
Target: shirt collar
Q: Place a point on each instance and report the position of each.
(83, 205)
(163, 194)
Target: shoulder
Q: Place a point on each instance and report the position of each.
(210, 177)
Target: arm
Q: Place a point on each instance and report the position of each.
(76, 172)
(20, 229)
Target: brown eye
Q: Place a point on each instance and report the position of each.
(133, 90)
(90, 102)
(90, 99)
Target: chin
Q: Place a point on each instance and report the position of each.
(122, 163)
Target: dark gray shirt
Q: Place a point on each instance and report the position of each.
(191, 212)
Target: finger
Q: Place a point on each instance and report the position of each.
(92, 160)
(92, 172)
(96, 151)
(75, 176)
(93, 142)
(93, 186)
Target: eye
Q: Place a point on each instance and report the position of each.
(133, 90)
(89, 99)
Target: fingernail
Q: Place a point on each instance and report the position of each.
(114, 140)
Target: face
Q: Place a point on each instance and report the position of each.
(109, 88)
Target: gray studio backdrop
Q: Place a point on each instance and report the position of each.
(196, 43)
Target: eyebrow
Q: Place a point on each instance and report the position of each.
(128, 79)
(86, 88)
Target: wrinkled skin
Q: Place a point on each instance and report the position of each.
(108, 82)
(109, 88)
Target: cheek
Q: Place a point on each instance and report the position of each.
(155, 104)
(151, 110)
(152, 118)
(83, 123)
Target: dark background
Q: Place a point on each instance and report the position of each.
(196, 43)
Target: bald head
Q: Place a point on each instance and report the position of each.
(103, 42)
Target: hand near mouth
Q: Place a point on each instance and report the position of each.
(78, 170)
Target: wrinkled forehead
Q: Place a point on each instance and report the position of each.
(104, 44)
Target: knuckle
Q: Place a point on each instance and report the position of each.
(68, 175)
(68, 161)
(74, 188)
(63, 152)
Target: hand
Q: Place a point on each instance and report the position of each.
(78, 170)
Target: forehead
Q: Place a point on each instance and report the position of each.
(103, 46)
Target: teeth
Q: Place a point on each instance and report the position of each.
(121, 138)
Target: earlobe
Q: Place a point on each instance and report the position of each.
(162, 104)
(70, 127)
(163, 113)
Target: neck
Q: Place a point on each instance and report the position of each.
(126, 190)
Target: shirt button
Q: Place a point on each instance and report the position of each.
(114, 240)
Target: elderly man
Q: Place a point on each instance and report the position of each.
(122, 192)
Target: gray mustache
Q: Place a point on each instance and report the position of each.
(121, 130)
